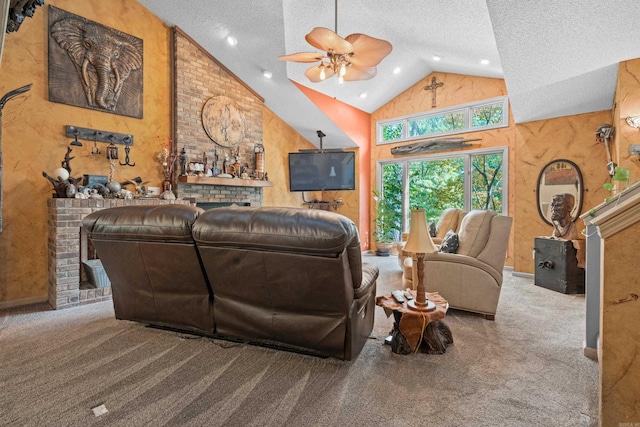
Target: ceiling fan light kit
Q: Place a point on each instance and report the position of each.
(352, 58)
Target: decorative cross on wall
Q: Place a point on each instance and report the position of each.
(432, 87)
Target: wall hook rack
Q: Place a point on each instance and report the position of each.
(127, 161)
(99, 135)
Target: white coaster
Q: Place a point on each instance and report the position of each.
(99, 410)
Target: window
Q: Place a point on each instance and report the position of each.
(392, 131)
(441, 123)
(482, 115)
(469, 180)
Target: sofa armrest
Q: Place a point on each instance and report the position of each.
(456, 259)
(369, 277)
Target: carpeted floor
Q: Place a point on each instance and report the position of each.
(524, 369)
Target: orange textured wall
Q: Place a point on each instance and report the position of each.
(627, 104)
(33, 138)
(619, 368)
(279, 140)
(457, 89)
(540, 142)
(356, 124)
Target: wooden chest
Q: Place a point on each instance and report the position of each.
(556, 266)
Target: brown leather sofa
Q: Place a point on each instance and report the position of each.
(283, 277)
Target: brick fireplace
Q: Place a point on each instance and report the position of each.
(65, 286)
(64, 258)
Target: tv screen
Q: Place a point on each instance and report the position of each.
(319, 171)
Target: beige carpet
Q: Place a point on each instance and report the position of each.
(524, 369)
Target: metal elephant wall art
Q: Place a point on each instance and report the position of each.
(93, 66)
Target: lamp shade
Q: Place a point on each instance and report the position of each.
(419, 240)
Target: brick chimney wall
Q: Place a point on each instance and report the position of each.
(198, 77)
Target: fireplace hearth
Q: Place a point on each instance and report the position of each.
(67, 282)
(65, 277)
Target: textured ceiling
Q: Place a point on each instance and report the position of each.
(557, 57)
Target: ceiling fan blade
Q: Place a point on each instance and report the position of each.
(313, 73)
(302, 57)
(368, 51)
(359, 73)
(325, 39)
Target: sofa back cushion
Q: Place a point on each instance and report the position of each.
(474, 232)
(151, 259)
(448, 221)
(300, 231)
(281, 275)
(158, 223)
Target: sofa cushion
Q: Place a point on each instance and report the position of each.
(433, 229)
(298, 230)
(450, 242)
(474, 232)
(162, 223)
(448, 221)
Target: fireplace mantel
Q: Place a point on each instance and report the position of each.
(229, 182)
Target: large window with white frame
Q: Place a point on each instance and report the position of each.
(472, 179)
(475, 116)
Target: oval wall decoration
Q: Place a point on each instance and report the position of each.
(223, 121)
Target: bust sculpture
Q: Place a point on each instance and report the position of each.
(563, 226)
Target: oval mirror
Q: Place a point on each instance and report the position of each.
(559, 177)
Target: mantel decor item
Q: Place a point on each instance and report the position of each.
(224, 121)
(93, 66)
(63, 183)
(420, 243)
(258, 150)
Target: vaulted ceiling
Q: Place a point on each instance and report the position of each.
(557, 58)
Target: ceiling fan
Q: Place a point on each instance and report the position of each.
(352, 58)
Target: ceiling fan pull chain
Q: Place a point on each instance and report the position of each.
(336, 16)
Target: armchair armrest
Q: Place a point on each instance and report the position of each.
(452, 259)
(369, 276)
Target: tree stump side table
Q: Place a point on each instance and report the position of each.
(417, 330)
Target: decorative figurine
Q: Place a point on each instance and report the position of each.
(258, 151)
(183, 161)
(64, 185)
(563, 227)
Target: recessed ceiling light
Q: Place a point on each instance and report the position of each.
(232, 41)
(363, 95)
(437, 58)
(396, 70)
(267, 74)
(485, 62)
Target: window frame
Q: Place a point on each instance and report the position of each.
(468, 126)
(467, 155)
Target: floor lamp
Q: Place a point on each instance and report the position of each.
(419, 242)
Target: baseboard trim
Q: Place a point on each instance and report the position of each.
(590, 352)
(525, 275)
(24, 301)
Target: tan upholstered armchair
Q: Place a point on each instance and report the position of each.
(450, 219)
(471, 278)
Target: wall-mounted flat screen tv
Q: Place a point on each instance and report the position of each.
(322, 170)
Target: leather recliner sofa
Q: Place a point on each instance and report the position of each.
(283, 277)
